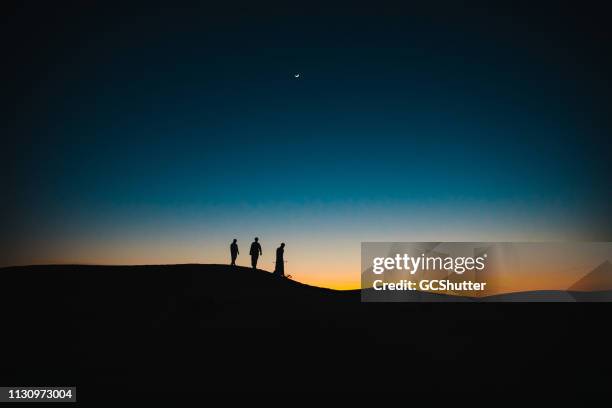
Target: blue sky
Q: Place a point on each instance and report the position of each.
(187, 127)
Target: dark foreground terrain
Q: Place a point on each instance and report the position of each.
(180, 330)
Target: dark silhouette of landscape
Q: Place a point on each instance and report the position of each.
(178, 328)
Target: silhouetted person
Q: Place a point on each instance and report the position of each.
(234, 251)
(255, 252)
(280, 262)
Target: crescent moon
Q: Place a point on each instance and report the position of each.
(297, 75)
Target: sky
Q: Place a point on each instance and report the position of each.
(157, 134)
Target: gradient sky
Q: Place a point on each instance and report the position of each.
(157, 134)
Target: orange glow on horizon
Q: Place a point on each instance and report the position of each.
(310, 261)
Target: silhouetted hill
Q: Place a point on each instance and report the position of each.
(218, 294)
(528, 296)
(550, 296)
(171, 329)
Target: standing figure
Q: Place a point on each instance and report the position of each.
(234, 251)
(280, 262)
(255, 252)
